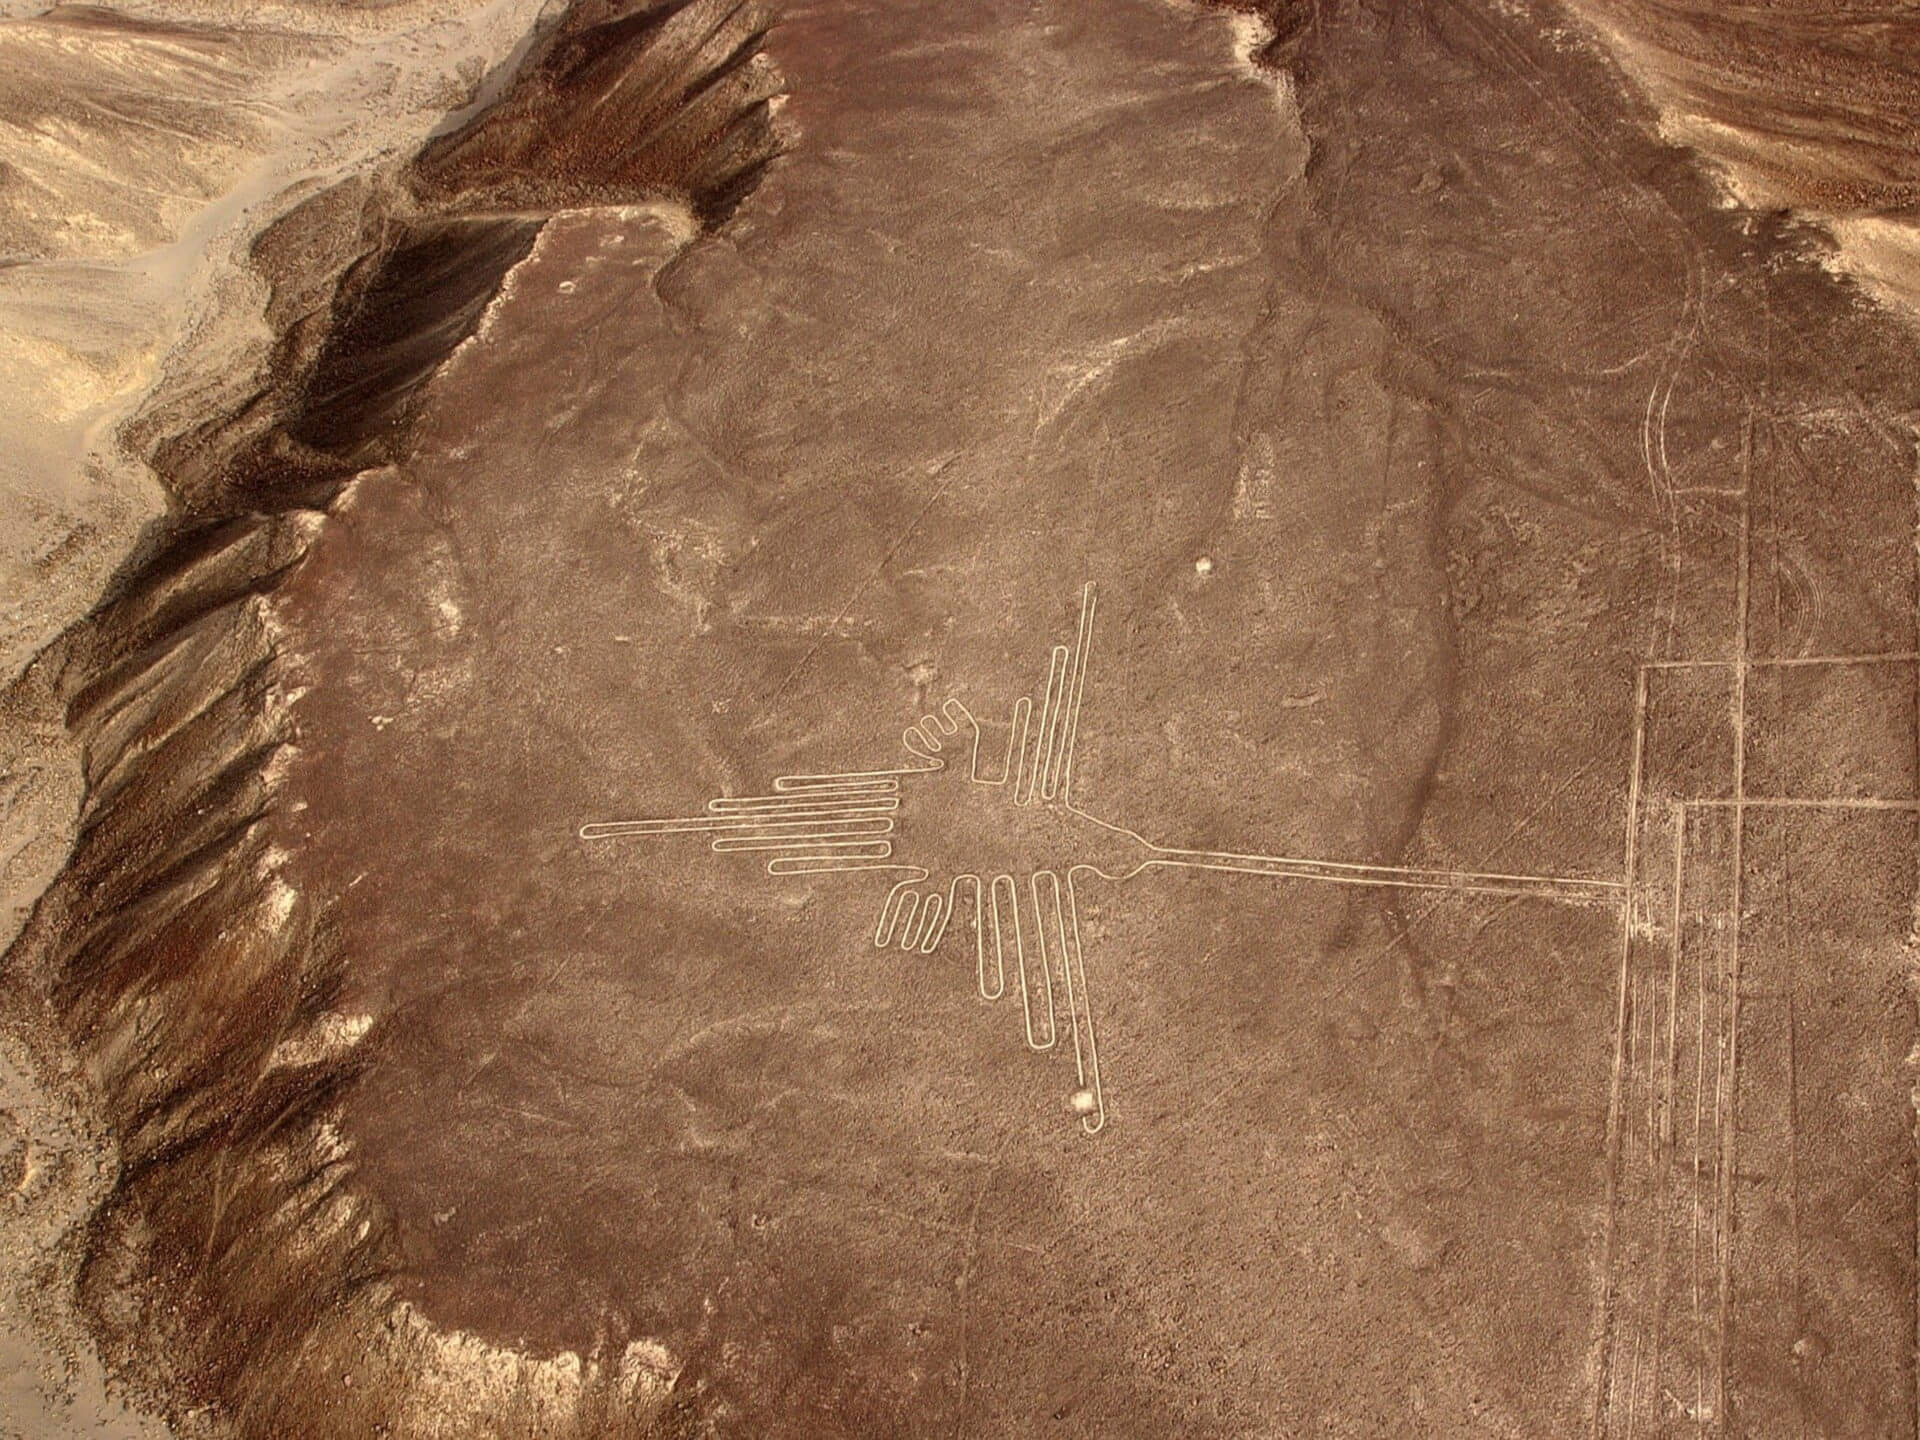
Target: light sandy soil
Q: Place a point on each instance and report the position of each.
(144, 153)
(1804, 106)
(57, 1171)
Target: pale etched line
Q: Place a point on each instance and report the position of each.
(1914, 1409)
(1730, 1144)
(1787, 449)
(1044, 962)
(813, 790)
(962, 719)
(1041, 916)
(1570, 889)
(833, 865)
(1699, 1095)
(1716, 1218)
(1604, 1319)
(934, 923)
(1647, 1063)
(1694, 285)
(822, 790)
(1785, 662)
(1664, 1183)
(848, 781)
(1017, 726)
(874, 848)
(1034, 767)
(851, 782)
(1646, 985)
(617, 829)
(1000, 922)
(1653, 1075)
(1788, 662)
(1793, 1153)
(805, 804)
(921, 748)
(1634, 1007)
(791, 830)
(1055, 732)
(1716, 1213)
(721, 825)
(1782, 802)
(1666, 468)
(1001, 919)
(1041, 781)
(1653, 438)
(815, 824)
(1420, 916)
(1083, 648)
(909, 920)
(920, 921)
(798, 832)
(726, 831)
(951, 717)
(1424, 912)
(1079, 1005)
(852, 832)
(1670, 538)
(1017, 746)
(1629, 1130)
(813, 840)
(890, 913)
(1088, 1073)
(980, 943)
(948, 909)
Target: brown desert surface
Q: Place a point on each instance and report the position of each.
(873, 719)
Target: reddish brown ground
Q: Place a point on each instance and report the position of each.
(1472, 416)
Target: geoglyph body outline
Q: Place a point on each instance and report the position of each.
(844, 822)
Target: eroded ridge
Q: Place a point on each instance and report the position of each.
(1000, 846)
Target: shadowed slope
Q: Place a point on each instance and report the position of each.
(234, 1261)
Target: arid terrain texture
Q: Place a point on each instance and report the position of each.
(872, 719)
